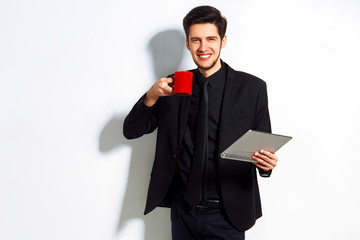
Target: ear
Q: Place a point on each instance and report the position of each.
(187, 44)
(224, 41)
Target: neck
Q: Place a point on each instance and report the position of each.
(207, 72)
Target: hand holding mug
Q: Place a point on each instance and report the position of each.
(180, 84)
(161, 88)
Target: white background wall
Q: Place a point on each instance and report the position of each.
(71, 70)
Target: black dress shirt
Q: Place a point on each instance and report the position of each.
(215, 94)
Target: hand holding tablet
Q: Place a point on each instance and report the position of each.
(251, 143)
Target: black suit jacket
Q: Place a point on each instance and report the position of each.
(244, 107)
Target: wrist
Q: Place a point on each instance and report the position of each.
(150, 99)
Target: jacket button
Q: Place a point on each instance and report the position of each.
(174, 155)
(169, 177)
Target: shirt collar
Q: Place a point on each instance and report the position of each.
(215, 78)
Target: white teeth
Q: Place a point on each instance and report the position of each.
(204, 56)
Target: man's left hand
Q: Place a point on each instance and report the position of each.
(266, 160)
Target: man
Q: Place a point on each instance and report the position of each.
(210, 197)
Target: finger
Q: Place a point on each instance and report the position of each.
(264, 160)
(165, 88)
(167, 80)
(262, 167)
(170, 82)
(259, 159)
(269, 157)
(268, 154)
(166, 93)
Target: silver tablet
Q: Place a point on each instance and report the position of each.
(253, 141)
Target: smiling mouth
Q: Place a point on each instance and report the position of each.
(204, 56)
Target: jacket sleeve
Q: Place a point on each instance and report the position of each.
(262, 116)
(262, 119)
(141, 120)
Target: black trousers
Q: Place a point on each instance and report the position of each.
(201, 224)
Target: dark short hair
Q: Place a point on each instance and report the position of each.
(205, 14)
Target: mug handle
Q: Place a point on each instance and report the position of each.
(173, 83)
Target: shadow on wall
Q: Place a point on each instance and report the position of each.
(166, 49)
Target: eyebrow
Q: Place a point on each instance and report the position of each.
(192, 38)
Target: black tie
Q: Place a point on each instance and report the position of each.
(194, 191)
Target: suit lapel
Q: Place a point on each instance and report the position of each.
(183, 116)
(184, 111)
(227, 103)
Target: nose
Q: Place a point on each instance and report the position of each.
(203, 46)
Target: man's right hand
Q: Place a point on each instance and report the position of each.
(161, 88)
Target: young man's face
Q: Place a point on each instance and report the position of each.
(205, 44)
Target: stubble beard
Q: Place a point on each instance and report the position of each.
(212, 65)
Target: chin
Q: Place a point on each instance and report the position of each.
(206, 66)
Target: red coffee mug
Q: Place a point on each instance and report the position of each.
(183, 83)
